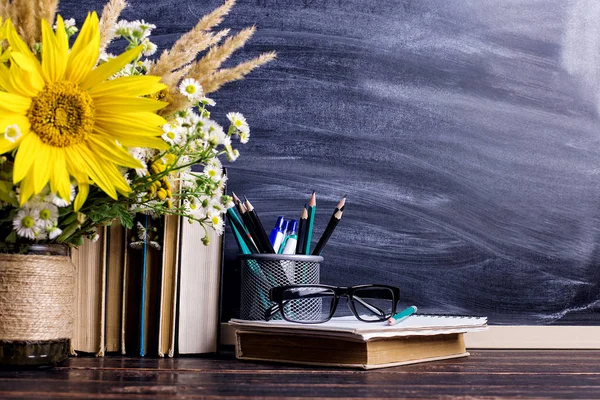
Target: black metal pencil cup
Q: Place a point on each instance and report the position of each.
(261, 272)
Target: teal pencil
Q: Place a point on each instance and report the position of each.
(312, 209)
(241, 230)
(407, 312)
(240, 241)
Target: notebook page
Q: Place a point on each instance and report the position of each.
(414, 325)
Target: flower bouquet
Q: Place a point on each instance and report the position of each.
(88, 137)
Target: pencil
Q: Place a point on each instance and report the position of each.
(249, 224)
(301, 231)
(340, 205)
(240, 231)
(335, 219)
(260, 230)
(312, 209)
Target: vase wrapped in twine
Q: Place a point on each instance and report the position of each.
(36, 297)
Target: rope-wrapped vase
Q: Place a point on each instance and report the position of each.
(36, 306)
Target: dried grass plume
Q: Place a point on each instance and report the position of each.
(110, 15)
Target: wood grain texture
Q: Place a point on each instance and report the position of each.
(465, 134)
(485, 374)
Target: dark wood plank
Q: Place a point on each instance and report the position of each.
(485, 374)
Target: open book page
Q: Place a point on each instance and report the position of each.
(350, 326)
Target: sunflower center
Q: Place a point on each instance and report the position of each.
(62, 114)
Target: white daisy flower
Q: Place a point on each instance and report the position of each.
(140, 155)
(53, 232)
(191, 88)
(232, 154)
(187, 180)
(237, 119)
(216, 135)
(244, 137)
(207, 101)
(195, 209)
(149, 48)
(213, 172)
(105, 57)
(217, 223)
(173, 134)
(227, 201)
(69, 23)
(95, 237)
(12, 133)
(47, 214)
(59, 201)
(146, 26)
(122, 28)
(26, 223)
(140, 30)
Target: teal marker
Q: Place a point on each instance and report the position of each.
(394, 319)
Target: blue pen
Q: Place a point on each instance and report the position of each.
(278, 233)
(291, 238)
(394, 319)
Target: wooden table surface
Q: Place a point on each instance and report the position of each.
(485, 374)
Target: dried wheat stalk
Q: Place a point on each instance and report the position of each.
(190, 44)
(23, 15)
(26, 16)
(174, 60)
(47, 10)
(110, 15)
(213, 82)
(218, 54)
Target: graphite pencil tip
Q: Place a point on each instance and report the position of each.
(235, 198)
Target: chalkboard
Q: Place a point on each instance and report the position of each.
(464, 132)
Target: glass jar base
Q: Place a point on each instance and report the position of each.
(30, 354)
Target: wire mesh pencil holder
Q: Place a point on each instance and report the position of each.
(261, 272)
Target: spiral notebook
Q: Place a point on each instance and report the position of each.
(415, 325)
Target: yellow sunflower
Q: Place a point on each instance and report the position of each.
(66, 119)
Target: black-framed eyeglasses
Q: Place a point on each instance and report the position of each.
(314, 304)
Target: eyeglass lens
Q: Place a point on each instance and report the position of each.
(315, 304)
(308, 304)
(373, 303)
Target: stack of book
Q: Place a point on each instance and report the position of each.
(348, 342)
(148, 291)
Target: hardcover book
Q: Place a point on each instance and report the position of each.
(348, 342)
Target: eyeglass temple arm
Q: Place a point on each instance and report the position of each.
(271, 311)
(371, 307)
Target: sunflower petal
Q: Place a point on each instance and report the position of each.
(60, 181)
(26, 190)
(42, 167)
(110, 104)
(84, 53)
(128, 86)
(26, 155)
(133, 120)
(53, 58)
(95, 171)
(82, 194)
(18, 45)
(13, 103)
(109, 150)
(108, 69)
(7, 145)
(62, 40)
(128, 140)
